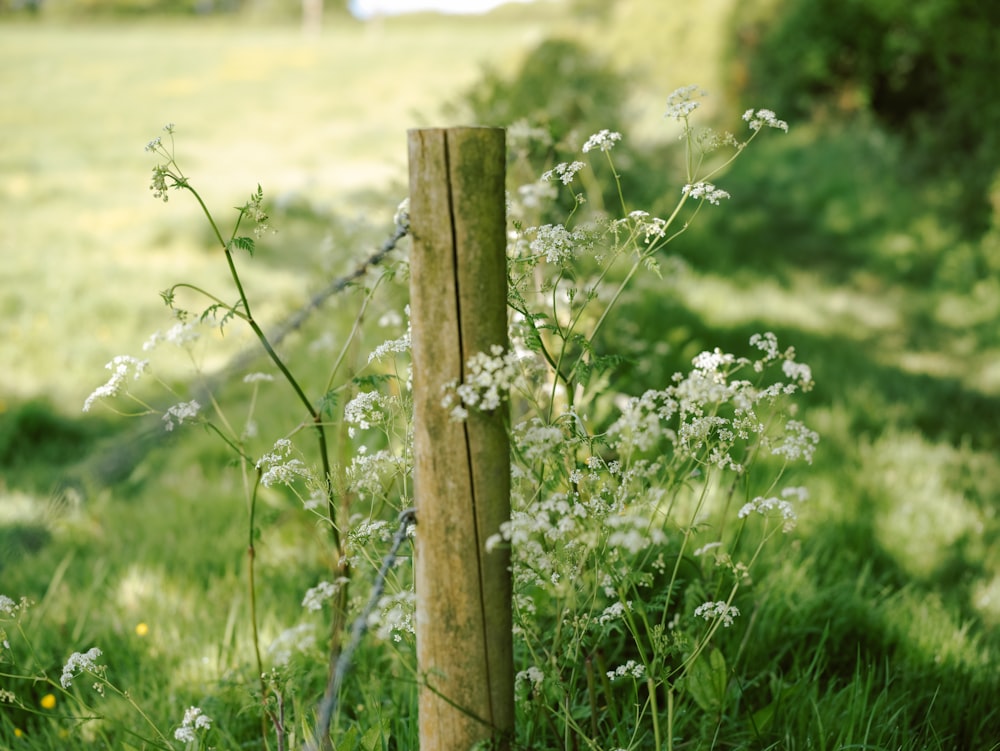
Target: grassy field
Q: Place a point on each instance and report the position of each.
(877, 628)
(318, 121)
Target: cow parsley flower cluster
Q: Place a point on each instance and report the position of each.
(723, 611)
(604, 140)
(705, 191)
(682, 102)
(194, 720)
(757, 119)
(489, 378)
(783, 507)
(316, 596)
(180, 334)
(710, 414)
(123, 368)
(277, 468)
(564, 172)
(631, 668)
(81, 662)
(7, 606)
(177, 414)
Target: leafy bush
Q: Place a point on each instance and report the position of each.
(922, 70)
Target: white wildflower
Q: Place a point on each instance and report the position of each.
(278, 468)
(316, 596)
(798, 442)
(722, 610)
(300, 638)
(180, 335)
(763, 506)
(489, 378)
(614, 612)
(79, 662)
(365, 409)
(604, 140)
(7, 606)
(178, 413)
(706, 548)
(564, 172)
(632, 668)
(681, 103)
(705, 191)
(194, 719)
(532, 675)
(760, 118)
(799, 372)
(121, 368)
(395, 618)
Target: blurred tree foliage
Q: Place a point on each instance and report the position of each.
(561, 86)
(561, 93)
(925, 69)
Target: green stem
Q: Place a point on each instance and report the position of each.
(314, 413)
(251, 575)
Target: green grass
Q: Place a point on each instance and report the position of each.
(876, 628)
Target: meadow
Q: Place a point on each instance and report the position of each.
(877, 624)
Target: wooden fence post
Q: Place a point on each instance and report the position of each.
(458, 307)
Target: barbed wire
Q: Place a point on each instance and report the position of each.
(328, 706)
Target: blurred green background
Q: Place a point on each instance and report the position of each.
(868, 237)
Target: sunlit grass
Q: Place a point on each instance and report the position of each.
(876, 630)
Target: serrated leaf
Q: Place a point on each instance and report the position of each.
(243, 243)
(328, 403)
(372, 380)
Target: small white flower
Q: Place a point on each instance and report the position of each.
(7, 605)
(722, 610)
(532, 675)
(766, 343)
(760, 118)
(180, 334)
(194, 719)
(79, 662)
(604, 140)
(300, 638)
(632, 668)
(316, 596)
(402, 344)
(705, 191)
(681, 103)
(180, 413)
(798, 372)
(705, 548)
(257, 377)
(564, 172)
(489, 379)
(763, 505)
(277, 468)
(121, 367)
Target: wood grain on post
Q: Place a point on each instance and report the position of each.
(458, 307)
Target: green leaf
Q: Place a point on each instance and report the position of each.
(328, 404)
(707, 679)
(372, 740)
(243, 243)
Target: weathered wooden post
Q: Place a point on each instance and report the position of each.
(458, 307)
